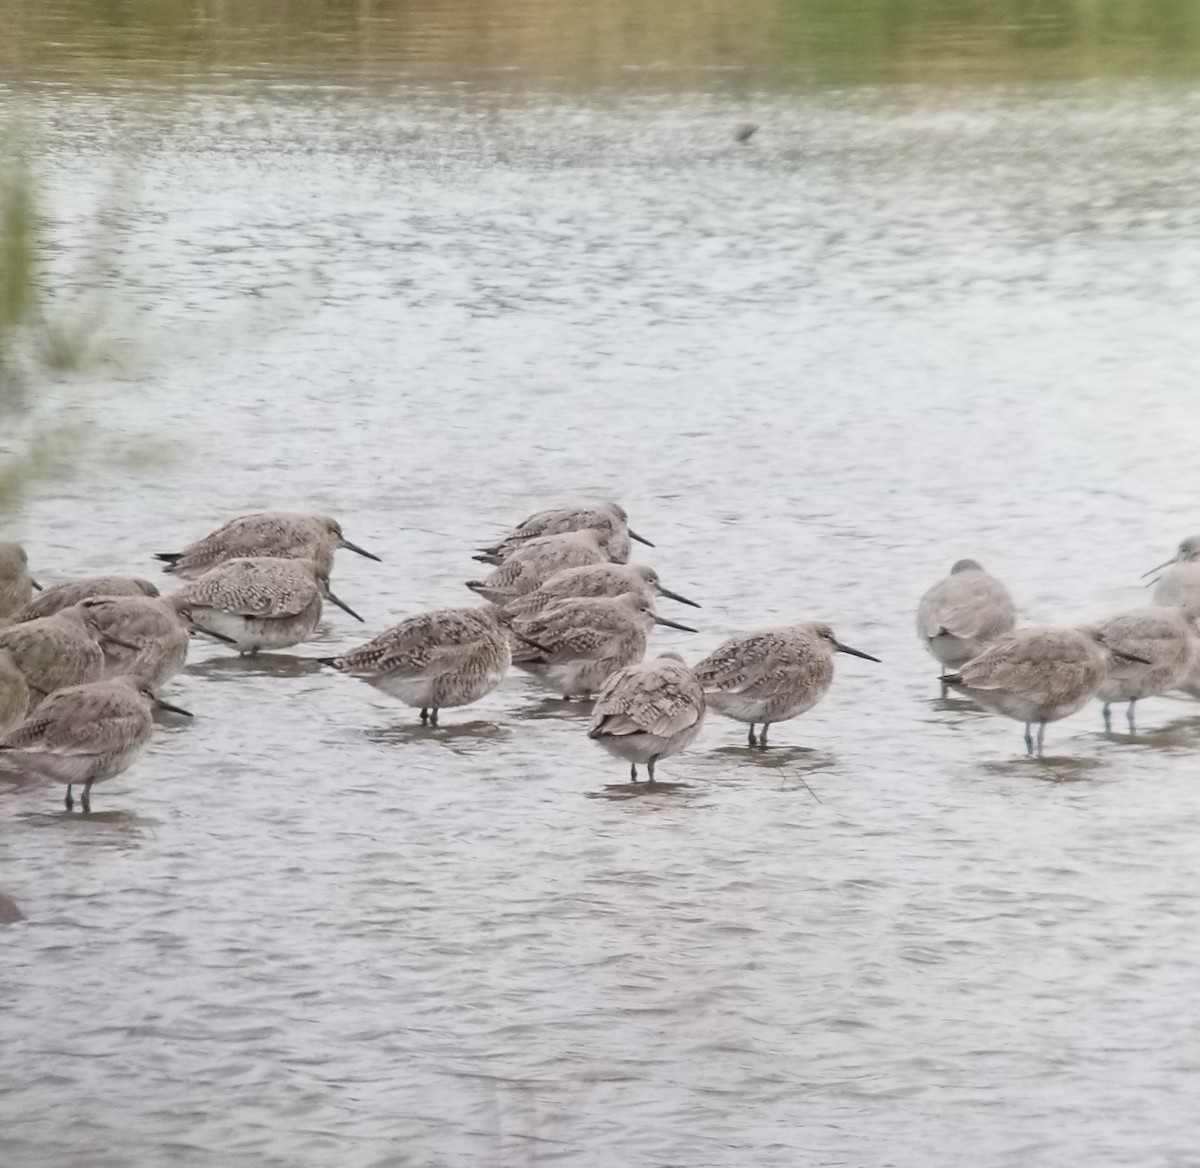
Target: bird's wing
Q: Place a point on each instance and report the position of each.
(78, 721)
(250, 588)
(741, 664)
(642, 701)
(968, 605)
(422, 646)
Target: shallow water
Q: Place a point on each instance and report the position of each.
(898, 327)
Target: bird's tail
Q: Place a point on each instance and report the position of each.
(332, 662)
(488, 556)
(169, 558)
(951, 679)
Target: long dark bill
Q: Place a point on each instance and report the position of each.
(1120, 654)
(160, 704)
(640, 538)
(855, 652)
(675, 596)
(344, 607)
(353, 547)
(662, 620)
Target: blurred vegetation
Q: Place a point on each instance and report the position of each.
(572, 42)
(43, 337)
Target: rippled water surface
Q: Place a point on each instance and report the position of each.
(898, 327)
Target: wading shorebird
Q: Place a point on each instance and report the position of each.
(433, 661)
(86, 733)
(594, 580)
(16, 584)
(288, 535)
(71, 592)
(574, 646)
(647, 712)
(771, 675)
(608, 520)
(1039, 675)
(535, 561)
(962, 613)
(1179, 585)
(1166, 637)
(261, 602)
(57, 651)
(160, 627)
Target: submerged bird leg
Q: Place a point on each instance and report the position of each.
(1041, 738)
(85, 800)
(1028, 739)
(424, 715)
(433, 716)
(650, 768)
(1129, 715)
(1107, 717)
(68, 802)
(750, 738)
(762, 736)
(945, 687)
(633, 772)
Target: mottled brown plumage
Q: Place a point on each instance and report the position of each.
(57, 651)
(535, 561)
(435, 660)
(262, 602)
(1036, 675)
(593, 580)
(607, 520)
(276, 534)
(771, 675)
(573, 646)
(71, 592)
(84, 733)
(158, 626)
(1166, 637)
(647, 712)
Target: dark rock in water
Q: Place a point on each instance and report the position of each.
(9, 913)
(745, 131)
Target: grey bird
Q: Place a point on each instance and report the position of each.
(647, 712)
(262, 602)
(71, 592)
(962, 613)
(535, 561)
(594, 580)
(1039, 675)
(159, 627)
(57, 651)
(608, 520)
(433, 661)
(291, 535)
(16, 584)
(771, 675)
(85, 733)
(574, 646)
(1166, 637)
(14, 693)
(1179, 585)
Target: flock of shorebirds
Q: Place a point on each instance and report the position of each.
(81, 661)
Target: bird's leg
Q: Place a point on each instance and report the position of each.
(633, 772)
(424, 715)
(1107, 717)
(762, 736)
(1028, 739)
(433, 716)
(945, 687)
(650, 768)
(751, 739)
(1132, 723)
(68, 802)
(1041, 737)
(85, 800)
